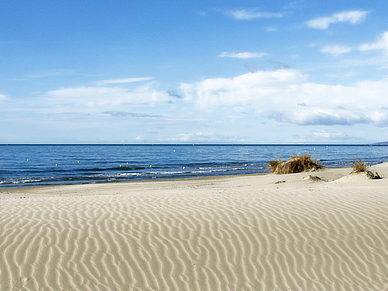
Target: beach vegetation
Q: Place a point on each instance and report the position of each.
(274, 164)
(295, 164)
(359, 166)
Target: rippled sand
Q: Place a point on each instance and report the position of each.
(265, 232)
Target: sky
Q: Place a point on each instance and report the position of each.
(123, 71)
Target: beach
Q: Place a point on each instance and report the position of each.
(322, 230)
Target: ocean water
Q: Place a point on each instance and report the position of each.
(39, 165)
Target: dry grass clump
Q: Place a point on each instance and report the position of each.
(275, 164)
(359, 166)
(295, 164)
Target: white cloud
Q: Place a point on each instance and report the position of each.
(252, 14)
(3, 97)
(320, 23)
(279, 94)
(330, 117)
(351, 17)
(246, 55)
(104, 97)
(122, 81)
(261, 87)
(380, 44)
(335, 50)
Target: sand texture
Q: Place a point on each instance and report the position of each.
(265, 232)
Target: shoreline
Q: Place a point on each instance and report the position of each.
(241, 232)
(134, 181)
(215, 177)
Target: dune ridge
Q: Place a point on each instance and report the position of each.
(230, 233)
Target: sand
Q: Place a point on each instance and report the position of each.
(259, 232)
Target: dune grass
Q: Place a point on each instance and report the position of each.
(359, 166)
(295, 164)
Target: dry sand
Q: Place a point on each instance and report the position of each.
(264, 232)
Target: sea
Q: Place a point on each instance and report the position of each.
(44, 165)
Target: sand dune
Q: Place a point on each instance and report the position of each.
(266, 232)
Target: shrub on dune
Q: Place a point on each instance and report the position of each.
(275, 164)
(359, 166)
(295, 164)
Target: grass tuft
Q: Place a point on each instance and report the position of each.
(359, 166)
(295, 164)
(274, 164)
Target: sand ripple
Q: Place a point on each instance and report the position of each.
(223, 234)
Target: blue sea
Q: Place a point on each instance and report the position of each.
(40, 165)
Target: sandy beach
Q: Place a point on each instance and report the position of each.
(259, 232)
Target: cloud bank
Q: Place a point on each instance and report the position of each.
(330, 117)
(284, 96)
(287, 97)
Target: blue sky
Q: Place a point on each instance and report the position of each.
(193, 71)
